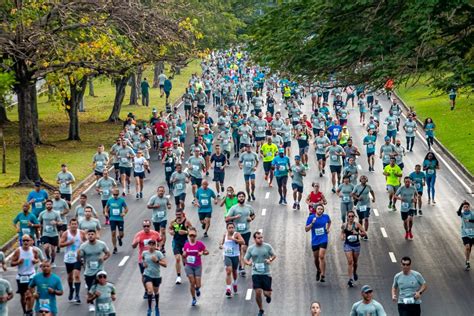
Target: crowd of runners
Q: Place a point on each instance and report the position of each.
(235, 115)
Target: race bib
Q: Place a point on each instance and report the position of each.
(225, 142)
(410, 129)
(362, 208)
(160, 214)
(204, 202)
(333, 157)
(405, 205)
(303, 137)
(352, 238)
(418, 185)
(168, 169)
(248, 164)
(43, 301)
(124, 160)
(195, 168)
(241, 227)
(219, 164)
(71, 256)
(282, 168)
(49, 229)
(320, 146)
(319, 231)
(260, 128)
(179, 186)
(336, 132)
(38, 204)
(115, 211)
(63, 185)
(103, 307)
(409, 300)
(386, 157)
(370, 146)
(25, 231)
(24, 279)
(105, 192)
(346, 198)
(191, 259)
(260, 267)
(269, 154)
(145, 242)
(430, 171)
(94, 264)
(229, 251)
(99, 163)
(469, 231)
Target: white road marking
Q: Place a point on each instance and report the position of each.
(384, 233)
(267, 195)
(359, 166)
(248, 296)
(264, 211)
(124, 260)
(376, 212)
(392, 257)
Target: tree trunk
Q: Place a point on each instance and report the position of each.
(34, 113)
(50, 93)
(133, 90)
(4, 150)
(120, 85)
(91, 86)
(77, 90)
(159, 68)
(139, 80)
(3, 113)
(29, 170)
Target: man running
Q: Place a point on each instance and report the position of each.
(418, 178)
(179, 179)
(231, 244)
(193, 250)
(367, 306)
(281, 164)
(392, 174)
(48, 286)
(197, 166)
(153, 260)
(361, 197)
(116, 209)
(26, 223)
(203, 201)
(297, 172)
(467, 230)
(319, 224)
(370, 142)
(65, 179)
(220, 163)
(49, 221)
(125, 156)
(267, 152)
(72, 240)
(89, 222)
(6, 294)
(260, 255)
(321, 142)
(407, 195)
(104, 187)
(248, 161)
(336, 154)
(160, 204)
(179, 230)
(99, 162)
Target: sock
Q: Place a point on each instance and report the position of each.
(77, 286)
(179, 274)
(150, 300)
(157, 299)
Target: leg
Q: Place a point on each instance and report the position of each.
(258, 298)
(316, 260)
(322, 261)
(192, 285)
(350, 263)
(178, 264)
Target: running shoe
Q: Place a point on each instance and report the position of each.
(318, 275)
(205, 235)
(468, 266)
(194, 302)
(269, 299)
(120, 241)
(407, 235)
(323, 279)
(77, 300)
(115, 250)
(260, 312)
(71, 296)
(178, 280)
(410, 235)
(228, 293)
(198, 292)
(235, 288)
(356, 277)
(350, 283)
(91, 308)
(253, 196)
(157, 311)
(420, 213)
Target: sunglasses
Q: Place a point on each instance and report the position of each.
(406, 264)
(151, 243)
(192, 235)
(350, 216)
(102, 277)
(115, 194)
(144, 226)
(26, 240)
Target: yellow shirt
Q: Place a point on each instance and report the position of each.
(394, 174)
(287, 91)
(344, 137)
(269, 151)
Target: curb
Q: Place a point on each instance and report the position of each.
(460, 168)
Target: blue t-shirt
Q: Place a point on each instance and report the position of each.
(23, 220)
(39, 198)
(204, 199)
(430, 167)
(281, 165)
(42, 284)
(319, 233)
(208, 138)
(370, 141)
(116, 207)
(334, 131)
(417, 179)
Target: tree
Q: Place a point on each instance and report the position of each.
(6, 83)
(368, 41)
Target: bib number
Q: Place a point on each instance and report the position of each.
(24, 279)
(124, 160)
(179, 186)
(191, 259)
(333, 157)
(431, 171)
(115, 212)
(204, 202)
(409, 300)
(260, 267)
(49, 229)
(38, 204)
(241, 227)
(319, 231)
(160, 214)
(282, 168)
(168, 169)
(43, 301)
(346, 198)
(103, 307)
(352, 238)
(405, 205)
(71, 256)
(370, 146)
(94, 264)
(99, 163)
(248, 164)
(362, 208)
(25, 231)
(196, 168)
(105, 192)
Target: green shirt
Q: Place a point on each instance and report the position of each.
(259, 254)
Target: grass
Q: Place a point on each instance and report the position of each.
(53, 122)
(454, 129)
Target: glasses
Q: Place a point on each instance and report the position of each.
(26, 240)
(115, 194)
(192, 235)
(406, 264)
(145, 226)
(102, 277)
(350, 216)
(151, 243)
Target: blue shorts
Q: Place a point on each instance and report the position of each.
(248, 177)
(116, 224)
(297, 187)
(392, 133)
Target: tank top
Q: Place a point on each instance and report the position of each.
(27, 268)
(314, 198)
(177, 227)
(231, 248)
(70, 256)
(352, 235)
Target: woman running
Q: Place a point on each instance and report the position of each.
(350, 233)
(430, 165)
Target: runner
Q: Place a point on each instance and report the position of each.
(99, 162)
(344, 191)
(408, 286)
(220, 163)
(392, 174)
(361, 197)
(321, 142)
(370, 142)
(116, 209)
(65, 179)
(48, 286)
(319, 224)
(37, 199)
(6, 294)
(351, 170)
(260, 255)
(387, 151)
(315, 198)
(400, 150)
(72, 240)
(367, 306)
(335, 153)
(61, 207)
(407, 195)
(104, 294)
(50, 220)
(281, 164)
(248, 161)
(79, 212)
(286, 134)
(125, 155)
(267, 152)
(431, 165)
(104, 187)
(94, 253)
(197, 167)
(192, 251)
(26, 223)
(429, 126)
(89, 222)
(260, 126)
(418, 178)
(203, 201)
(179, 230)
(25, 257)
(153, 260)
(297, 172)
(410, 130)
(140, 164)
(391, 121)
(231, 244)
(467, 230)
(350, 233)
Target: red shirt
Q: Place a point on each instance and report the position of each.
(308, 124)
(166, 145)
(161, 128)
(269, 119)
(143, 239)
(314, 198)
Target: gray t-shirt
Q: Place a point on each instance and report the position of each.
(321, 144)
(259, 254)
(80, 213)
(249, 161)
(286, 133)
(106, 185)
(407, 195)
(374, 308)
(64, 177)
(387, 151)
(241, 224)
(93, 223)
(124, 156)
(59, 206)
(345, 191)
(277, 124)
(104, 305)
(335, 160)
(196, 167)
(179, 187)
(153, 269)
(260, 127)
(159, 214)
(246, 131)
(410, 128)
(100, 161)
(362, 193)
(298, 174)
(91, 254)
(5, 289)
(45, 218)
(407, 285)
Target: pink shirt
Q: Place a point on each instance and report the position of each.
(193, 259)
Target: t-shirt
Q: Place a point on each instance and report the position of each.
(321, 144)
(104, 305)
(362, 192)
(346, 190)
(193, 259)
(116, 207)
(38, 201)
(42, 283)
(49, 229)
(319, 233)
(394, 174)
(143, 238)
(298, 174)
(124, 157)
(374, 308)
(63, 178)
(260, 127)
(407, 195)
(100, 160)
(179, 187)
(269, 151)
(249, 161)
(407, 285)
(281, 165)
(334, 131)
(467, 224)
(430, 167)
(418, 179)
(5, 289)
(204, 197)
(259, 254)
(219, 161)
(196, 166)
(93, 223)
(91, 254)
(59, 206)
(410, 128)
(23, 220)
(334, 159)
(391, 122)
(387, 151)
(241, 224)
(369, 141)
(246, 131)
(106, 185)
(139, 164)
(153, 268)
(159, 214)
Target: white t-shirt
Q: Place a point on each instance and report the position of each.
(139, 164)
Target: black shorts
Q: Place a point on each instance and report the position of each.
(365, 214)
(336, 169)
(219, 176)
(406, 214)
(324, 245)
(66, 196)
(117, 224)
(178, 247)
(321, 157)
(141, 267)
(90, 280)
(162, 86)
(179, 198)
(409, 309)
(257, 111)
(158, 225)
(267, 166)
(196, 181)
(263, 282)
(246, 238)
(468, 241)
(282, 181)
(155, 281)
(203, 215)
(287, 144)
(116, 166)
(126, 171)
(259, 139)
(187, 107)
(98, 173)
(22, 287)
(73, 266)
(140, 175)
(420, 193)
(297, 187)
(104, 203)
(53, 241)
(370, 154)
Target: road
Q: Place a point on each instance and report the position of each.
(436, 250)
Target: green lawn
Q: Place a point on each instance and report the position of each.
(455, 129)
(53, 123)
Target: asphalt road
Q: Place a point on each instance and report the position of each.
(436, 250)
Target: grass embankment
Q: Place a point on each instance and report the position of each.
(53, 122)
(454, 129)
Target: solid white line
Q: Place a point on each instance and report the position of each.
(376, 212)
(392, 257)
(267, 195)
(384, 233)
(264, 211)
(359, 166)
(124, 260)
(248, 296)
